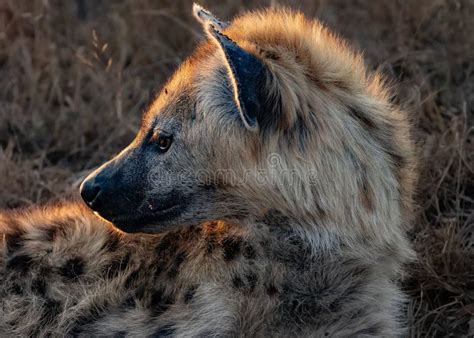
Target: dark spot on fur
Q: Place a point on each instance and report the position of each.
(237, 282)
(20, 263)
(168, 245)
(189, 294)
(140, 293)
(164, 331)
(158, 271)
(264, 243)
(252, 280)
(50, 234)
(120, 334)
(249, 284)
(132, 279)
(231, 246)
(16, 289)
(51, 309)
(335, 305)
(178, 260)
(189, 233)
(38, 286)
(211, 242)
(249, 251)
(160, 302)
(271, 289)
(129, 302)
(274, 218)
(45, 271)
(363, 119)
(14, 241)
(73, 268)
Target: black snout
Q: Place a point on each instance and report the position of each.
(98, 190)
(114, 190)
(90, 190)
(117, 191)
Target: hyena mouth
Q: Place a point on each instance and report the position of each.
(140, 221)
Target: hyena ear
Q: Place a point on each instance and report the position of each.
(245, 71)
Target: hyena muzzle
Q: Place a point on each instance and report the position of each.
(267, 193)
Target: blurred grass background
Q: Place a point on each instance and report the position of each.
(75, 76)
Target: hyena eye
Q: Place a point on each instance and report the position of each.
(163, 141)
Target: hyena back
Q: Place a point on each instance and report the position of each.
(274, 178)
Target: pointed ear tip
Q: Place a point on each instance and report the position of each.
(197, 9)
(205, 17)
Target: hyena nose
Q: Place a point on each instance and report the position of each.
(89, 192)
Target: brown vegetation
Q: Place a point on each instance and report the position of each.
(75, 76)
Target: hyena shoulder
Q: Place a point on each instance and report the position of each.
(73, 274)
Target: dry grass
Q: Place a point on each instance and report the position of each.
(75, 76)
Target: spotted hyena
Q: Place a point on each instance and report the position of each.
(267, 193)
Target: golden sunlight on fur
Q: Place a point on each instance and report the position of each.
(316, 247)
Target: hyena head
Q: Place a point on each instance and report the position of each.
(272, 112)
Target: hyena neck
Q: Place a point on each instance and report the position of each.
(278, 223)
(321, 239)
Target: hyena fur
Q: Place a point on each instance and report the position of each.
(176, 247)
